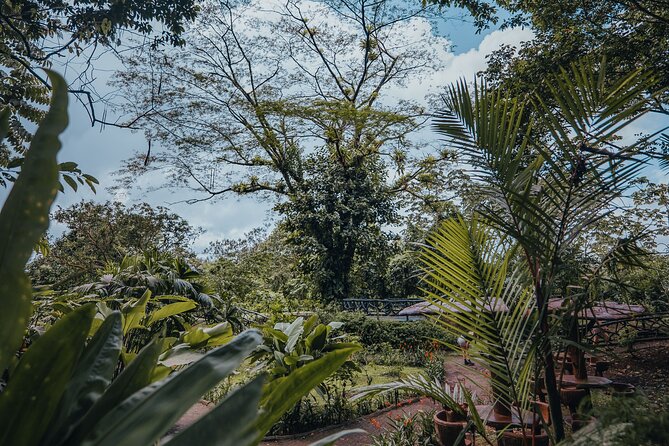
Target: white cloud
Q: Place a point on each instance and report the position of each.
(463, 65)
(102, 153)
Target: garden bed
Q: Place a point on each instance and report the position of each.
(646, 368)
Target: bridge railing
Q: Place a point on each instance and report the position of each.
(378, 307)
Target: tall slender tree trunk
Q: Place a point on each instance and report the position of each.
(550, 381)
(553, 393)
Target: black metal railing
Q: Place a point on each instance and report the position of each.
(378, 307)
(629, 330)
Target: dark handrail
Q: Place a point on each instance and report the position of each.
(378, 307)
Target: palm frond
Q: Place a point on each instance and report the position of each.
(664, 159)
(594, 106)
(449, 397)
(468, 276)
(485, 125)
(492, 131)
(545, 196)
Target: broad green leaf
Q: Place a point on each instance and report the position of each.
(133, 314)
(170, 297)
(160, 372)
(330, 440)
(134, 377)
(24, 219)
(31, 398)
(93, 374)
(228, 423)
(276, 334)
(317, 339)
(68, 166)
(95, 326)
(143, 417)
(170, 310)
(199, 336)
(180, 354)
(90, 178)
(282, 394)
(335, 325)
(294, 331)
(311, 323)
(70, 182)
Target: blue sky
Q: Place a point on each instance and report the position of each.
(101, 152)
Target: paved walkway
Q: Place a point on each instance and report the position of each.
(375, 423)
(372, 424)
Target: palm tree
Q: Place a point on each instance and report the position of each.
(548, 170)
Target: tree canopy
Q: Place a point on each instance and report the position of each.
(38, 34)
(632, 34)
(296, 103)
(98, 234)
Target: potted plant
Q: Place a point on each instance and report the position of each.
(449, 433)
(523, 437)
(450, 422)
(457, 412)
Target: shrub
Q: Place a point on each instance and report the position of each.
(626, 421)
(407, 336)
(414, 430)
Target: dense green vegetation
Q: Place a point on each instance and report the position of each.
(540, 180)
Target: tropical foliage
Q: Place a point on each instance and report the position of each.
(632, 34)
(499, 269)
(450, 397)
(71, 382)
(157, 294)
(491, 298)
(159, 273)
(543, 196)
(100, 234)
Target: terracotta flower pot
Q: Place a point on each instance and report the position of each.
(455, 416)
(543, 410)
(448, 431)
(520, 438)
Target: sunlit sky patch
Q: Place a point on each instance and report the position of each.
(101, 152)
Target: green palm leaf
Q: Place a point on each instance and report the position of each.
(468, 276)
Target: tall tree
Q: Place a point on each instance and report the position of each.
(631, 33)
(36, 34)
(541, 194)
(100, 234)
(292, 100)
